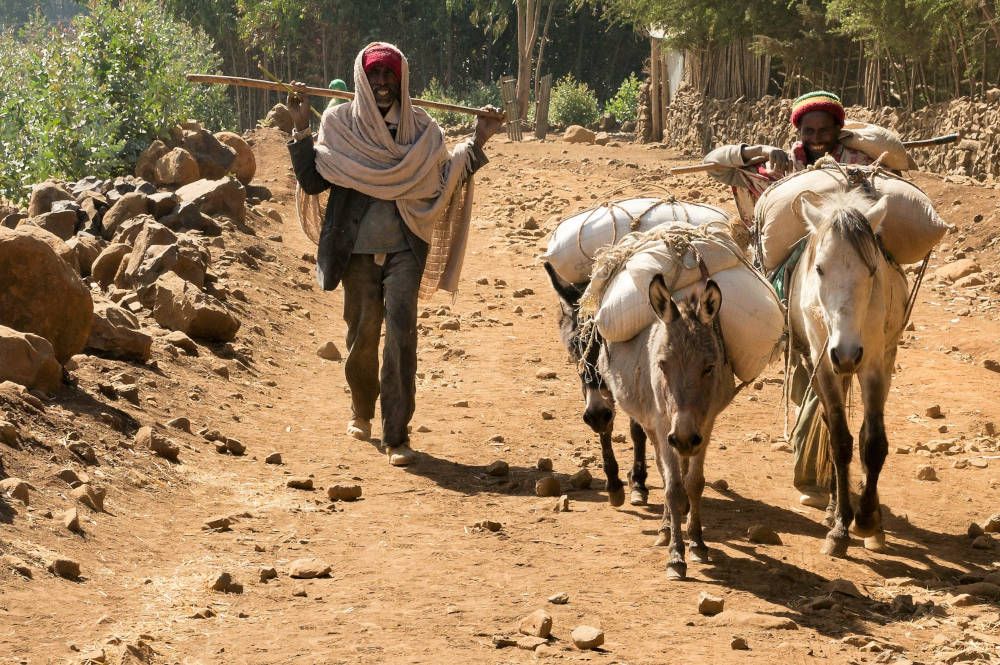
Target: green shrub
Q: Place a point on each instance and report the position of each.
(572, 103)
(87, 98)
(624, 105)
(435, 92)
(474, 95)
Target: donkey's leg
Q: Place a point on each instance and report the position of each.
(694, 484)
(676, 503)
(874, 447)
(831, 390)
(638, 494)
(616, 490)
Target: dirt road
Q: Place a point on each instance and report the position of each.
(412, 579)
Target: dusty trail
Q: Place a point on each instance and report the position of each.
(412, 579)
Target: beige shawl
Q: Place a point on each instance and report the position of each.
(432, 188)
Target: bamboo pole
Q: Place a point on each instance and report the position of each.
(325, 92)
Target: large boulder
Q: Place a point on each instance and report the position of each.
(225, 196)
(189, 217)
(154, 252)
(162, 204)
(116, 333)
(43, 195)
(214, 158)
(145, 166)
(128, 206)
(245, 164)
(106, 265)
(180, 305)
(177, 167)
(87, 248)
(62, 250)
(94, 204)
(279, 116)
(578, 134)
(29, 360)
(41, 294)
(60, 223)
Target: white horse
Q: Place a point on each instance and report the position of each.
(848, 301)
(674, 379)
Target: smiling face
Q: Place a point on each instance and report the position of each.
(384, 84)
(819, 132)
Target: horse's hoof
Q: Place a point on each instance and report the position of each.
(835, 547)
(829, 520)
(638, 498)
(616, 497)
(699, 553)
(662, 539)
(876, 543)
(677, 571)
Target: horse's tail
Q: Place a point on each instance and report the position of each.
(824, 453)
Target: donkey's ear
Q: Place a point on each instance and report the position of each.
(659, 298)
(710, 303)
(806, 206)
(568, 292)
(876, 214)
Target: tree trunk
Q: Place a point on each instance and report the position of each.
(541, 48)
(528, 12)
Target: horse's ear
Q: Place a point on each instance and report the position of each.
(710, 303)
(659, 298)
(876, 214)
(568, 292)
(808, 211)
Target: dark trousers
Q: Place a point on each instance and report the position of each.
(373, 294)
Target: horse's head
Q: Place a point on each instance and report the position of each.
(694, 377)
(841, 260)
(583, 344)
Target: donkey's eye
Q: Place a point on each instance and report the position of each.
(819, 270)
(708, 370)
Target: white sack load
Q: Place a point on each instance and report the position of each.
(751, 317)
(873, 140)
(910, 230)
(575, 242)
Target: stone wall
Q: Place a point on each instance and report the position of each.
(696, 125)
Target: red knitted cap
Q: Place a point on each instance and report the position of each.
(383, 54)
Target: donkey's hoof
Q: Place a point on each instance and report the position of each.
(677, 570)
(835, 547)
(864, 527)
(662, 539)
(616, 497)
(876, 543)
(638, 497)
(699, 553)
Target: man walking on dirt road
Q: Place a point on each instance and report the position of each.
(395, 226)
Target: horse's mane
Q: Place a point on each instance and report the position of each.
(842, 215)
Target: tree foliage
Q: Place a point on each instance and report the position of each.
(85, 98)
(572, 103)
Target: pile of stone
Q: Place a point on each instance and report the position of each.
(99, 264)
(696, 125)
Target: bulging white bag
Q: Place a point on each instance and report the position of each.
(911, 228)
(576, 241)
(873, 140)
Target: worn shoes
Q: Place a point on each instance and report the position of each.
(360, 429)
(401, 455)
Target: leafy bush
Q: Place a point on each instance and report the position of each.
(87, 98)
(624, 105)
(474, 95)
(572, 103)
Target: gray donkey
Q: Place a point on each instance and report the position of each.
(674, 379)
(599, 414)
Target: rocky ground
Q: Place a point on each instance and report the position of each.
(192, 481)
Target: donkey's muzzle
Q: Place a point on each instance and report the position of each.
(685, 445)
(846, 360)
(599, 418)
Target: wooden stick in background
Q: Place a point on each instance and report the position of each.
(326, 92)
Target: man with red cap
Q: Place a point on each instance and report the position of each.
(395, 227)
(818, 118)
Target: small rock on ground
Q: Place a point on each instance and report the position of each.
(65, 568)
(344, 492)
(273, 458)
(762, 535)
(739, 644)
(536, 624)
(926, 472)
(562, 505)
(547, 486)
(587, 637)
(544, 464)
(498, 468)
(300, 483)
(710, 605)
(267, 573)
(307, 569)
(560, 598)
(224, 583)
(71, 520)
(581, 480)
(329, 351)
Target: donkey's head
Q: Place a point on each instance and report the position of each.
(693, 375)
(584, 347)
(841, 261)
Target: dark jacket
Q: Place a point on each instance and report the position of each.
(344, 212)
